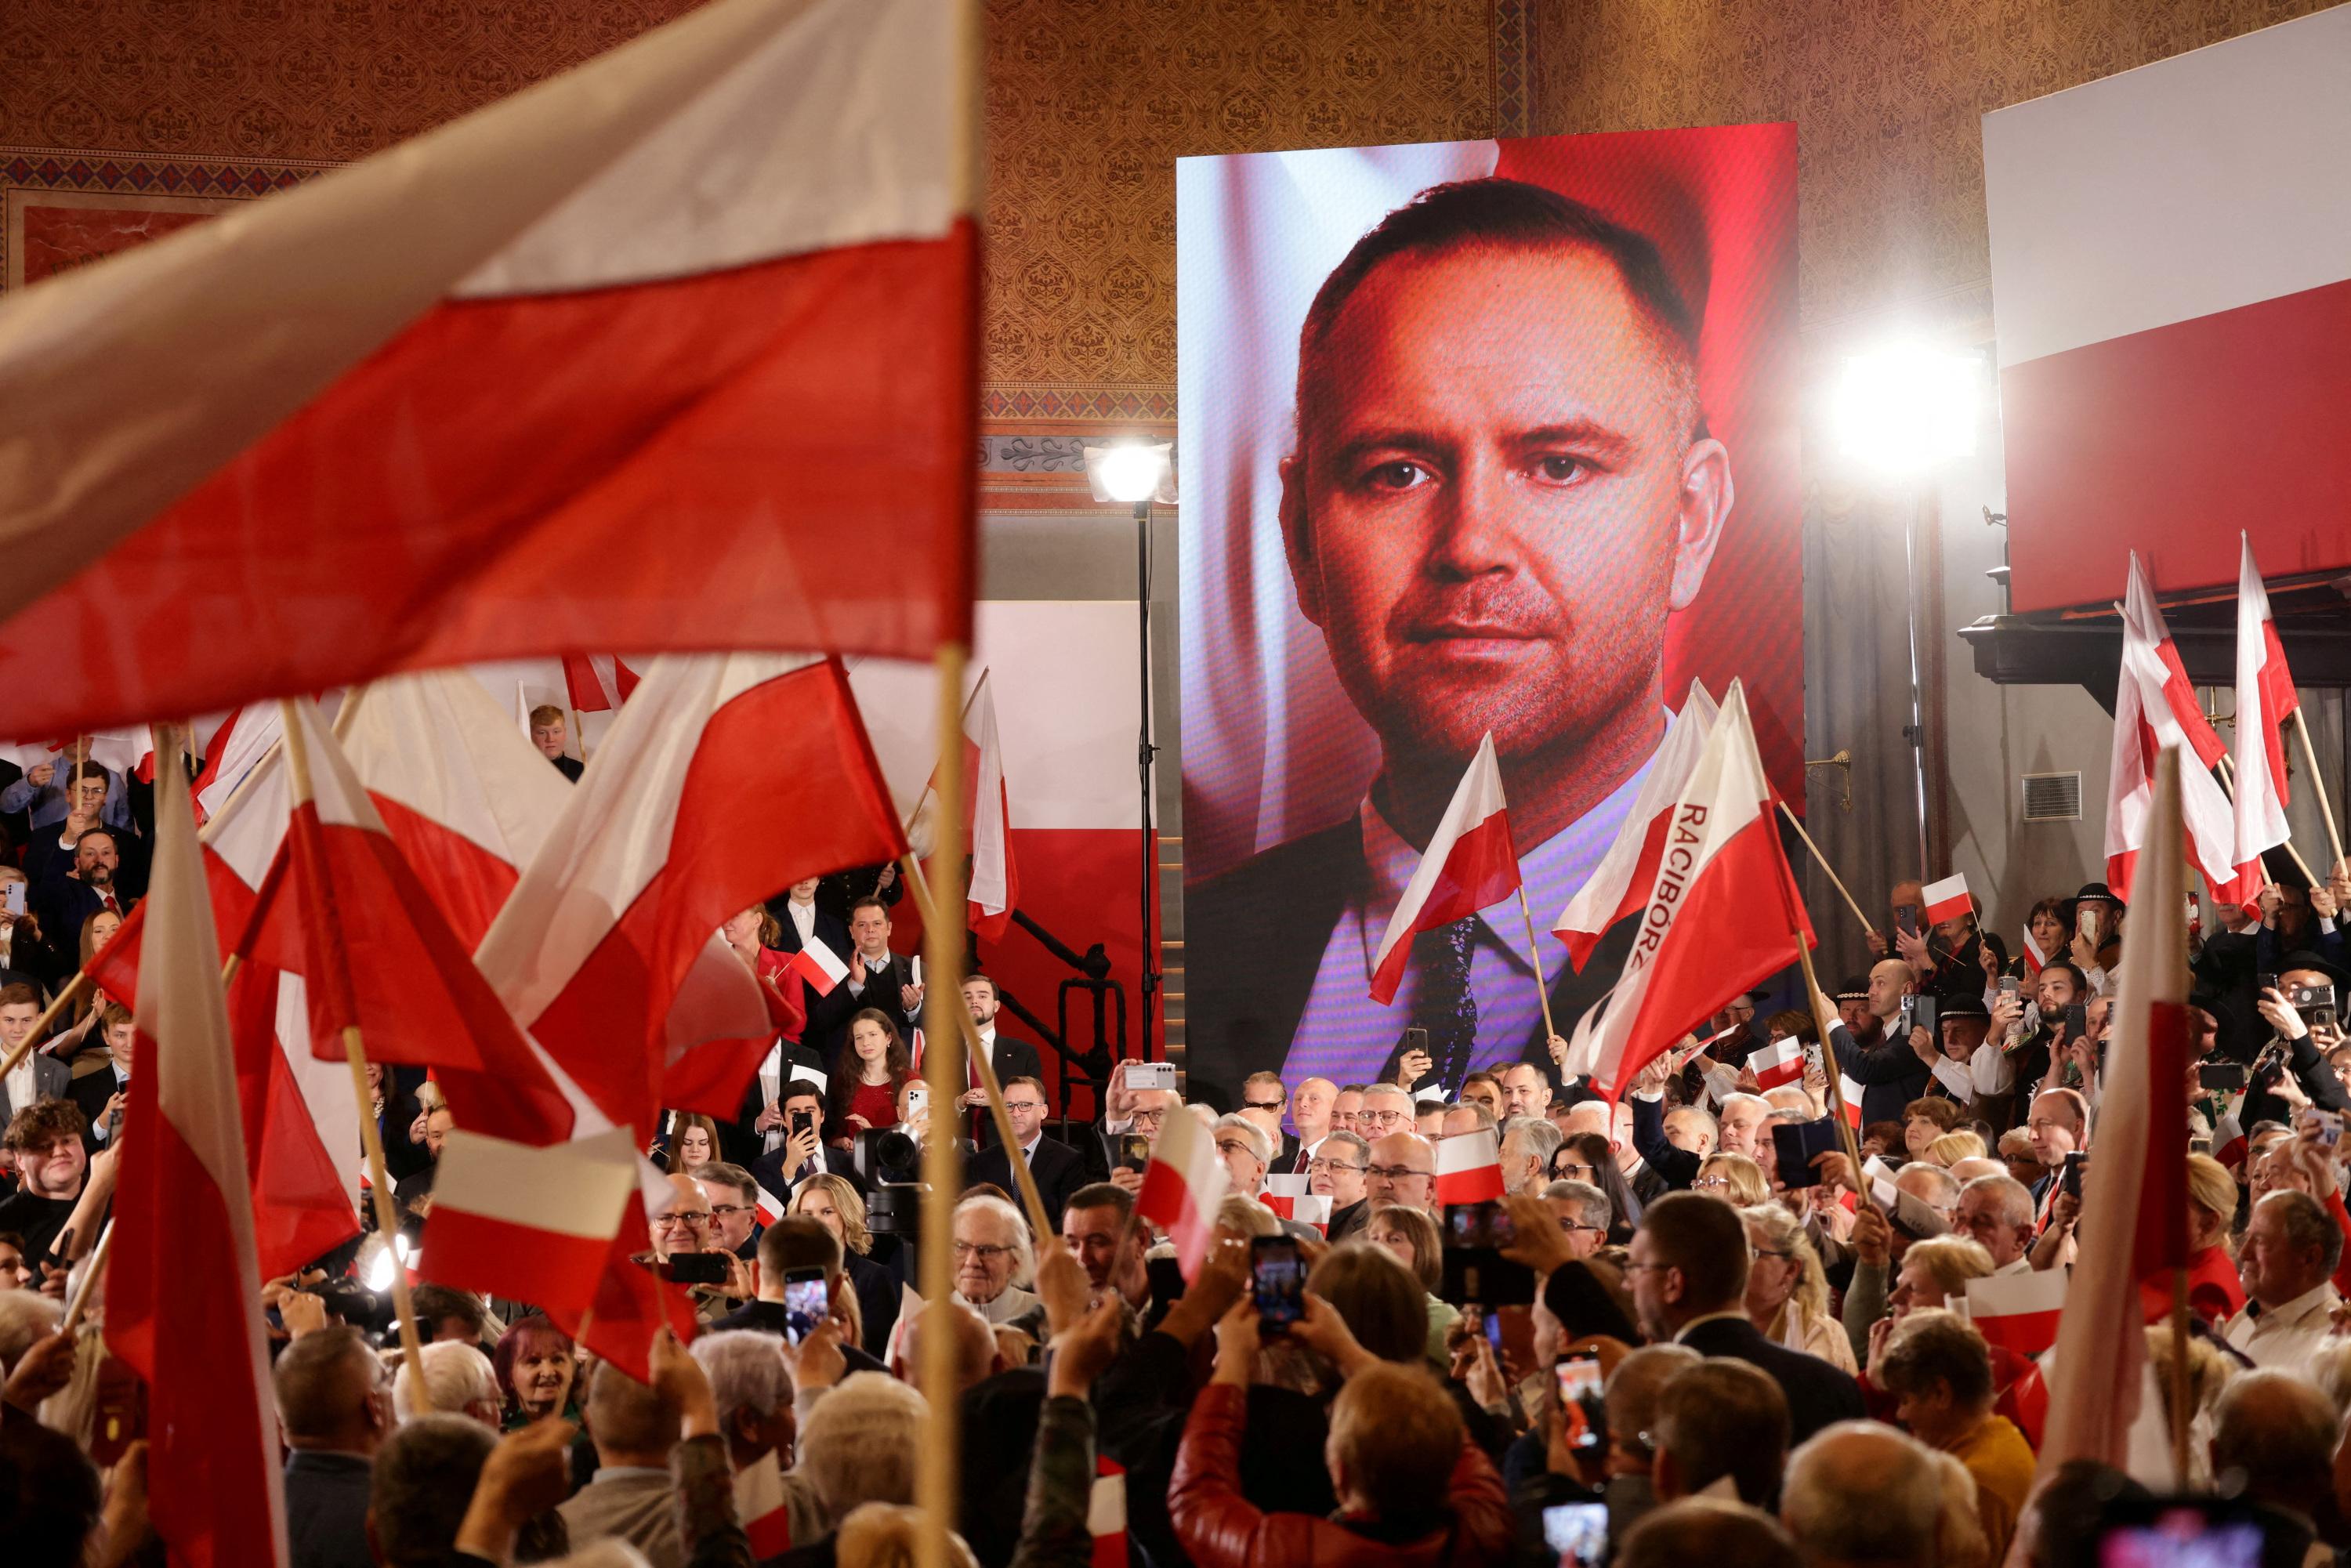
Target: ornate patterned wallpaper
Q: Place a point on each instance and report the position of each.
(1886, 98)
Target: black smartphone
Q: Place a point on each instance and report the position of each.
(1415, 1040)
(1475, 1271)
(1923, 1015)
(2076, 1162)
(1278, 1280)
(695, 1268)
(1905, 918)
(2077, 1021)
(2266, 982)
(803, 1121)
(2222, 1077)
(1581, 1408)
(1794, 1146)
(806, 1304)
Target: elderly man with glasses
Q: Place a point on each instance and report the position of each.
(1584, 1212)
(1402, 1169)
(1385, 1109)
(1151, 1109)
(992, 1254)
(686, 1224)
(1336, 1172)
(1246, 1151)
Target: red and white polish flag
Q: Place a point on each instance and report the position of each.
(2165, 261)
(1781, 1060)
(770, 1207)
(235, 750)
(597, 952)
(670, 328)
(505, 1214)
(2135, 1199)
(1947, 899)
(2146, 723)
(1629, 870)
(1182, 1186)
(1850, 1093)
(1469, 865)
(994, 890)
(184, 1271)
(2018, 1311)
(1722, 915)
(1288, 1197)
(2034, 956)
(1468, 1168)
(2265, 697)
(819, 966)
(597, 682)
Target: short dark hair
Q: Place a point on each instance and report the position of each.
(1025, 1081)
(19, 993)
(869, 901)
(1498, 214)
(1101, 1195)
(44, 1122)
(795, 1241)
(1704, 1238)
(435, 1303)
(48, 1494)
(985, 979)
(2080, 980)
(422, 1484)
(799, 1089)
(734, 1179)
(1724, 1419)
(89, 833)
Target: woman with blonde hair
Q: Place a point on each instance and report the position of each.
(2215, 1292)
(1787, 1290)
(832, 1203)
(1734, 1178)
(1950, 1149)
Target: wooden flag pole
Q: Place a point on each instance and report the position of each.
(1535, 953)
(936, 1470)
(90, 1269)
(1832, 1073)
(1829, 870)
(387, 1220)
(1039, 1218)
(2325, 811)
(579, 728)
(2229, 787)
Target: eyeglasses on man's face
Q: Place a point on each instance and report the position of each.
(1261, 1104)
(984, 1252)
(1381, 1118)
(1392, 1173)
(1318, 1166)
(692, 1219)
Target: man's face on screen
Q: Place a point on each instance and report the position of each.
(1498, 498)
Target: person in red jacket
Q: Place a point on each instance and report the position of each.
(1414, 1491)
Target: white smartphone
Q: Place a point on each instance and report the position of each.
(1150, 1075)
(12, 896)
(918, 1101)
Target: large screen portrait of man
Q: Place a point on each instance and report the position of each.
(1501, 484)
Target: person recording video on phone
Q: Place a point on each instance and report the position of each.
(1892, 1074)
(1502, 487)
(2303, 1010)
(802, 1154)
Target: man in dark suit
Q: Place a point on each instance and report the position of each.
(1892, 1074)
(802, 1154)
(100, 1095)
(73, 890)
(877, 978)
(839, 895)
(1060, 1170)
(1010, 1058)
(1453, 610)
(801, 917)
(39, 1076)
(1688, 1277)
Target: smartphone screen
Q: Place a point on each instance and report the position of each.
(805, 1305)
(1278, 1279)
(1580, 1398)
(1578, 1531)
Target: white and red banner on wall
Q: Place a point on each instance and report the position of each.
(2171, 285)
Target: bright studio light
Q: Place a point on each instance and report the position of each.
(1128, 473)
(1903, 410)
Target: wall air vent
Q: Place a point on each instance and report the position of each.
(2052, 797)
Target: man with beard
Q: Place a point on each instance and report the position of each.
(1502, 487)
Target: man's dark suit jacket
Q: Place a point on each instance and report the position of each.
(64, 907)
(326, 1510)
(767, 1170)
(91, 1093)
(740, 1141)
(1012, 1059)
(1254, 935)
(1673, 1167)
(828, 931)
(829, 1016)
(1059, 1171)
(571, 768)
(1890, 1074)
(1819, 1395)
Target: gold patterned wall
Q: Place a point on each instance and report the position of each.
(1888, 96)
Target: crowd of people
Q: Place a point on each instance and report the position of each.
(1664, 1344)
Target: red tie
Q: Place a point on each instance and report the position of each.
(109, 897)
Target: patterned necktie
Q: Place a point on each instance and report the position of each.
(1441, 1002)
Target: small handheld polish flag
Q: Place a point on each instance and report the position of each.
(1948, 900)
(1468, 1168)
